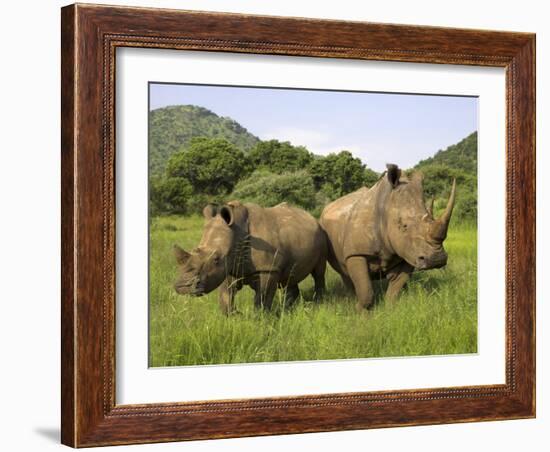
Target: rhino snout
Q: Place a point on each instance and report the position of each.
(436, 260)
(192, 287)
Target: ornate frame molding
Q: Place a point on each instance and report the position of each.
(90, 37)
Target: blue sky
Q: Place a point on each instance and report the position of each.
(378, 128)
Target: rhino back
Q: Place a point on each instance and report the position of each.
(350, 223)
(286, 239)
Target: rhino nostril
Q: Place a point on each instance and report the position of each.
(421, 258)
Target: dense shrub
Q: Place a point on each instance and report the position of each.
(466, 207)
(438, 179)
(339, 174)
(370, 177)
(170, 195)
(212, 166)
(279, 157)
(268, 189)
(437, 184)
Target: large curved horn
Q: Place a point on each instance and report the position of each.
(441, 225)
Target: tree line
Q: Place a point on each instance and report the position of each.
(215, 170)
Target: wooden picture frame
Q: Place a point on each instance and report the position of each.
(90, 36)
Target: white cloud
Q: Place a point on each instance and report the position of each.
(298, 137)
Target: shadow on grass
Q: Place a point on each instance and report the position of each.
(430, 281)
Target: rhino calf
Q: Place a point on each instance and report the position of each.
(385, 231)
(264, 248)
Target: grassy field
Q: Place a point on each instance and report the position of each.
(436, 313)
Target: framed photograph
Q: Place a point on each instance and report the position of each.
(281, 225)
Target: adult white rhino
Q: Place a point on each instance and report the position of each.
(385, 231)
(264, 248)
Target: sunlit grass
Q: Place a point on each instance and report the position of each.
(435, 314)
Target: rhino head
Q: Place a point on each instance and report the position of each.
(412, 231)
(204, 268)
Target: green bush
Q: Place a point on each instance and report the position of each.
(437, 184)
(269, 189)
(175, 195)
(370, 177)
(279, 157)
(212, 166)
(199, 200)
(171, 195)
(339, 174)
(466, 207)
(322, 198)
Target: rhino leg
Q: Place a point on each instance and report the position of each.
(359, 273)
(291, 295)
(265, 288)
(348, 283)
(398, 277)
(228, 289)
(319, 279)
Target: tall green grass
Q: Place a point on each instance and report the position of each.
(435, 314)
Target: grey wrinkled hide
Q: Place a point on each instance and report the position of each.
(385, 231)
(264, 248)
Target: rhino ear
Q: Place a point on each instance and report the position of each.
(226, 212)
(210, 211)
(180, 254)
(235, 214)
(393, 174)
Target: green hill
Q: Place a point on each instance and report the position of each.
(460, 156)
(458, 161)
(171, 128)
